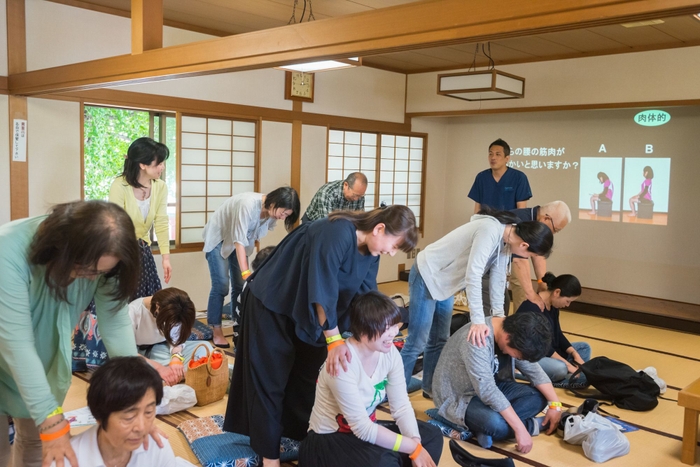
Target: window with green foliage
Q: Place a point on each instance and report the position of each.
(108, 132)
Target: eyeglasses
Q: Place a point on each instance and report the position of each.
(86, 271)
(554, 229)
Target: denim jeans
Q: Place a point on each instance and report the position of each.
(221, 271)
(428, 321)
(556, 369)
(525, 400)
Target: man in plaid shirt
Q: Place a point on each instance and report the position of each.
(347, 195)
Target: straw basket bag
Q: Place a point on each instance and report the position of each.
(208, 383)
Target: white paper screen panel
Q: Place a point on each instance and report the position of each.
(218, 161)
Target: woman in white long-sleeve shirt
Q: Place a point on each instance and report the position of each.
(343, 430)
(458, 261)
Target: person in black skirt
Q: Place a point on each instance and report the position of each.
(294, 306)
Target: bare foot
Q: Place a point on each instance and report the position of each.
(271, 462)
(633, 215)
(219, 338)
(592, 213)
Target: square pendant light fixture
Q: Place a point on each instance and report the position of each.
(481, 85)
(323, 65)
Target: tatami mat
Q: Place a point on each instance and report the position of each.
(675, 355)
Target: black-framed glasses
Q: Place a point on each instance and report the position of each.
(551, 221)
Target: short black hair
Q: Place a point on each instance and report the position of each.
(119, 384)
(285, 197)
(371, 314)
(144, 151)
(503, 144)
(261, 256)
(530, 334)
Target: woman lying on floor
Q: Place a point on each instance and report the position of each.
(563, 356)
(343, 428)
(162, 324)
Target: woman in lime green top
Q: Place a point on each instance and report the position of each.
(51, 268)
(144, 196)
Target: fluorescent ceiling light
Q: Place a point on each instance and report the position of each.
(697, 16)
(637, 24)
(324, 65)
(481, 85)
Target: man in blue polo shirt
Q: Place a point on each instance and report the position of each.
(500, 187)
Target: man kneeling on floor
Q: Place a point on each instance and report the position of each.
(474, 386)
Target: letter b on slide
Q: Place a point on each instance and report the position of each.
(649, 148)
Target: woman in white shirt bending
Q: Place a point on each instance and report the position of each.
(162, 324)
(343, 430)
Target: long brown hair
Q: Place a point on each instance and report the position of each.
(171, 307)
(79, 234)
(397, 219)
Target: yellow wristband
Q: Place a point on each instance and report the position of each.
(330, 340)
(397, 444)
(554, 404)
(246, 273)
(58, 411)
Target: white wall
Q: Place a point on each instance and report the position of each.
(276, 168)
(53, 148)
(3, 38)
(634, 77)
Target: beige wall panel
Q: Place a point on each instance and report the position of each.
(313, 162)
(59, 35)
(641, 76)
(361, 92)
(276, 167)
(84, 35)
(4, 161)
(53, 153)
(191, 274)
(262, 88)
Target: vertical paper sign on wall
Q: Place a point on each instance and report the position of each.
(19, 140)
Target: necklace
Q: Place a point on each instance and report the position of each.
(142, 193)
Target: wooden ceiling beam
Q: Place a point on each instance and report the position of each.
(146, 25)
(404, 27)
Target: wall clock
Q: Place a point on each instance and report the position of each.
(299, 86)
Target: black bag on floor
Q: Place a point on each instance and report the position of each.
(466, 459)
(459, 320)
(619, 383)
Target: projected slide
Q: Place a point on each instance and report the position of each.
(645, 190)
(629, 189)
(599, 188)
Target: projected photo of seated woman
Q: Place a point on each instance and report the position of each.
(644, 195)
(605, 196)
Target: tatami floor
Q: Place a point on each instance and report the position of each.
(675, 355)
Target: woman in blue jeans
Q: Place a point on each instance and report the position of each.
(563, 356)
(457, 261)
(229, 238)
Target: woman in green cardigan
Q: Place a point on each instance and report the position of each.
(51, 268)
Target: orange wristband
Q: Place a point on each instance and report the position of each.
(176, 362)
(540, 281)
(55, 435)
(414, 455)
(335, 344)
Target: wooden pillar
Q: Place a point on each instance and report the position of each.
(17, 105)
(146, 25)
